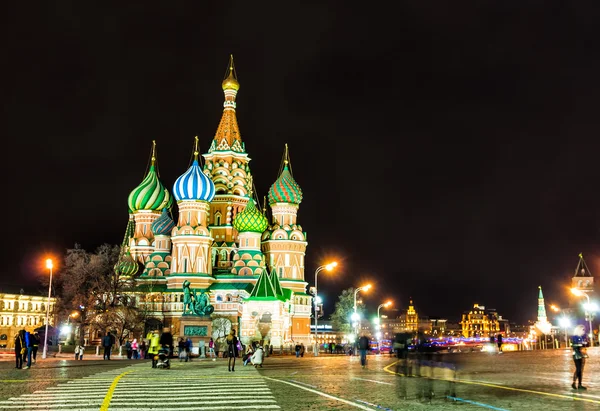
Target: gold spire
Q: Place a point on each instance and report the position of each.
(264, 210)
(230, 82)
(153, 159)
(196, 148)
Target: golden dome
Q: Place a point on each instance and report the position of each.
(230, 83)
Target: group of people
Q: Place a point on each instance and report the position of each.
(299, 349)
(26, 348)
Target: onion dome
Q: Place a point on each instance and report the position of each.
(285, 189)
(163, 224)
(126, 266)
(250, 219)
(230, 82)
(150, 194)
(194, 184)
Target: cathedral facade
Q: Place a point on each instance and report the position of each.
(249, 261)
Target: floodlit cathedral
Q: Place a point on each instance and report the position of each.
(221, 244)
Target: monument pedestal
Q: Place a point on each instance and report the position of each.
(196, 328)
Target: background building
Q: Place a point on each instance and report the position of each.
(481, 322)
(18, 312)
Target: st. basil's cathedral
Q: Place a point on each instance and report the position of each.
(221, 243)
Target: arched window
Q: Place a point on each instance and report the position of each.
(219, 298)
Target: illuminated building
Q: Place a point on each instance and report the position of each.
(222, 243)
(22, 312)
(480, 322)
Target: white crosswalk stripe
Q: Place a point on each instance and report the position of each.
(185, 387)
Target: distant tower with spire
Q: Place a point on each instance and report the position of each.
(582, 279)
(541, 316)
(226, 163)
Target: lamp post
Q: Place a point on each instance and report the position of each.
(579, 293)
(565, 323)
(386, 304)
(355, 314)
(49, 265)
(327, 267)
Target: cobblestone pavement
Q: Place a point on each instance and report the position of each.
(474, 381)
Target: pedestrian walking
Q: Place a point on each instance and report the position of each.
(297, 348)
(143, 350)
(363, 346)
(107, 344)
(211, 348)
(36, 344)
(128, 349)
(578, 344)
(232, 349)
(181, 350)
(79, 350)
(29, 350)
(302, 349)
(154, 346)
(499, 341)
(135, 349)
(166, 340)
(20, 348)
(188, 348)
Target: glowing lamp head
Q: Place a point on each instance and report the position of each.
(319, 300)
(49, 264)
(576, 292)
(367, 287)
(554, 308)
(376, 320)
(355, 317)
(564, 322)
(387, 304)
(331, 266)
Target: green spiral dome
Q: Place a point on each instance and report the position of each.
(150, 194)
(285, 189)
(250, 219)
(126, 266)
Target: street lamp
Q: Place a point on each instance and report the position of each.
(327, 267)
(355, 316)
(565, 323)
(386, 304)
(579, 293)
(49, 265)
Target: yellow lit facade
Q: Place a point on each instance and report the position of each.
(18, 312)
(480, 322)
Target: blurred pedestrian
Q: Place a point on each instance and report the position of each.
(257, 357)
(363, 346)
(211, 348)
(79, 350)
(302, 349)
(143, 349)
(36, 344)
(499, 341)
(135, 349)
(128, 349)
(20, 348)
(29, 350)
(578, 344)
(297, 348)
(188, 347)
(154, 346)
(232, 349)
(107, 344)
(181, 350)
(166, 339)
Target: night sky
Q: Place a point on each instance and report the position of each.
(446, 151)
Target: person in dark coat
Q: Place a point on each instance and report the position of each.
(363, 346)
(578, 344)
(107, 342)
(19, 345)
(166, 340)
(232, 349)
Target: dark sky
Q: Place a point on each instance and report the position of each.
(447, 151)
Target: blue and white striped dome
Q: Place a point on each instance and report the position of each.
(194, 185)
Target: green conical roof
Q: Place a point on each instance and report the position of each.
(263, 289)
(276, 284)
(250, 219)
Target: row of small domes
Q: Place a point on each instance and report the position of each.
(195, 185)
